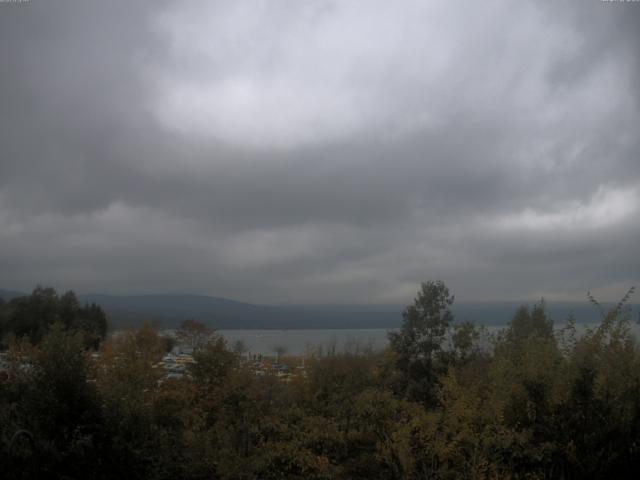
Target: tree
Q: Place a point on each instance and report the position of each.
(240, 348)
(57, 405)
(530, 322)
(193, 334)
(279, 350)
(127, 381)
(33, 315)
(68, 309)
(465, 342)
(418, 344)
(213, 363)
(4, 315)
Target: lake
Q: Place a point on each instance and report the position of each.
(301, 342)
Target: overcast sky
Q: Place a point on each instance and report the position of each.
(286, 151)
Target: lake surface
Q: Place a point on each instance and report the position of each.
(301, 342)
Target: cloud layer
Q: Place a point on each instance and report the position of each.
(323, 151)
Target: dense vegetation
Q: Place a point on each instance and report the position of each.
(443, 401)
(32, 316)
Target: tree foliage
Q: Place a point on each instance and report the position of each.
(33, 315)
(422, 355)
(534, 403)
(193, 334)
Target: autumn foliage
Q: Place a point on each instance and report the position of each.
(444, 401)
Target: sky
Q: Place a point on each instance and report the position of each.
(321, 152)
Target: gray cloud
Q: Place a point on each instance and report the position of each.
(288, 152)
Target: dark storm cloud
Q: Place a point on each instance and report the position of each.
(320, 151)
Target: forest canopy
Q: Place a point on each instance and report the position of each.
(445, 400)
(32, 316)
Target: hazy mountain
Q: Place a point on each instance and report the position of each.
(166, 311)
(221, 313)
(9, 294)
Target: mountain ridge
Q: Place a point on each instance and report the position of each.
(168, 310)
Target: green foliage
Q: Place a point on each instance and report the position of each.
(534, 404)
(422, 355)
(466, 343)
(4, 314)
(214, 362)
(51, 398)
(418, 344)
(528, 323)
(32, 316)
